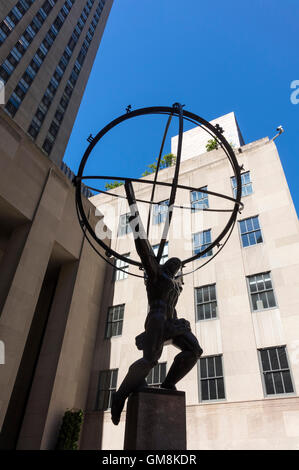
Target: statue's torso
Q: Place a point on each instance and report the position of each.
(163, 292)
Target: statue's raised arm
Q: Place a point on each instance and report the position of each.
(143, 247)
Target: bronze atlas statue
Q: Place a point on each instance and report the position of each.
(163, 281)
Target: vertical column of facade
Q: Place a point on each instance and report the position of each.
(21, 300)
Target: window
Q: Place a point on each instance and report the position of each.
(261, 291)
(160, 212)
(201, 241)
(250, 231)
(211, 378)
(124, 225)
(115, 321)
(157, 375)
(276, 371)
(106, 386)
(246, 184)
(206, 302)
(119, 275)
(164, 256)
(199, 200)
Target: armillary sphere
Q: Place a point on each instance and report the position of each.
(216, 132)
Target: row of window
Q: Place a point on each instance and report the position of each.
(199, 200)
(66, 96)
(13, 18)
(53, 85)
(261, 295)
(250, 233)
(274, 366)
(30, 73)
(26, 38)
(260, 291)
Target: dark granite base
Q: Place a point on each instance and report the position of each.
(156, 420)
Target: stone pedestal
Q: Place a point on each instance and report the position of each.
(156, 420)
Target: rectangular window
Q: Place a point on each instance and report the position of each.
(115, 320)
(124, 225)
(276, 371)
(261, 291)
(211, 378)
(201, 241)
(107, 385)
(250, 231)
(157, 375)
(119, 275)
(246, 184)
(199, 200)
(164, 256)
(160, 212)
(206, 302)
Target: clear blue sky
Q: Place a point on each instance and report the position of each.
(214, 57)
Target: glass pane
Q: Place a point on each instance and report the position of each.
(249, 225)
(206, 296)
(265, 360)
(252, 284)
(273, 359)
(286, 376)
(204, 390)
(211, 369)
(114, 329)
(278, 382)
(264, 299)
(207, 310)
(271, 299)
(282, 355)
(114, 379)
(199, 295)
(218, 364)
(120, 328)
(267, 279)
(203, 368)
(220, 388)
(243, 226)
(245, 240)
(255, 222)
(246, 177)
(254, 299)
(200, 311)
(259, 237)
(213, 391)
(214, 309)
(269, 384)
(251, 238)
(212, 292)
(260, 282)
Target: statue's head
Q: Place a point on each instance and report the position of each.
(172, 266)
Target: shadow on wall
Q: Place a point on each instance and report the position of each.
(92, 430)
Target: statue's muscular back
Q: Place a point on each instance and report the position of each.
(163, 292)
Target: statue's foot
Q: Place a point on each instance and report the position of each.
(168, 386)
(116, 408)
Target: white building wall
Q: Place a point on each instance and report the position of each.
(246, 419)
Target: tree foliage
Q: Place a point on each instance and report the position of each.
(70, 430)
(166, 161)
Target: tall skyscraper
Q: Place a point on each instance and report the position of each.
(47, 49)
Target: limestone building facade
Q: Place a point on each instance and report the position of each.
(243, 305)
